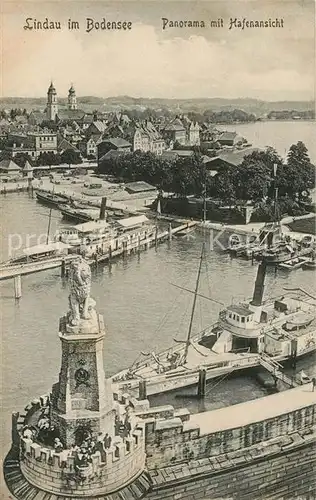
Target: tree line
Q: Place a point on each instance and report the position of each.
(253, 180)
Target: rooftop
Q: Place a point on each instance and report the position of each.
(118, 142)
(132, 221)
(234, 157)
(240, 309)
(139, 186)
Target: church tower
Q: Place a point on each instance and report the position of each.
(52, 105)
(72, 99)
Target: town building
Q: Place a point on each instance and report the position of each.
(9, 167)
(114, 143)
(145, 137)
(229, 139)
(32, 143)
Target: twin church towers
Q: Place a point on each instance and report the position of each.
(52, 103)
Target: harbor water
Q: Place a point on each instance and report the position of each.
(142, 309)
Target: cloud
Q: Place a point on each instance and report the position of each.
(148, 62)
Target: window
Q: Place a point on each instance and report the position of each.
(234, 316)
(230, 315)
(248, 319)
(243, 319)
(238, 318)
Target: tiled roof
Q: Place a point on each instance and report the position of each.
(235, 157)
(63, 145)
(111, 155)
(9, 165)
(118, 142)
(227, 136)
(139, 186)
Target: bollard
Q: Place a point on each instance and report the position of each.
(156, 237)
(110, 253)
(17, 287)
(170, 232)
(202, 383)
(102, 209)
(63, 269)
(142, 390)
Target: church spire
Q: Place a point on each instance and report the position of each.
(72, 99)
(52, 104)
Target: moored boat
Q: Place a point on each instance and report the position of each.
(36, 258)
(293, 264)
(79, 214)
(51, 199)
(246, 335)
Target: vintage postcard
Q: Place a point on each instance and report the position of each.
(157, 256)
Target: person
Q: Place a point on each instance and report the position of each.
(99, 446)
(58, 445)
(107, 441)
(313, 383)
(117, 425)
(43, 422)
(27, 433)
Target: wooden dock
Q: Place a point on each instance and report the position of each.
(121, 249)
(137, 244)
(34, 267)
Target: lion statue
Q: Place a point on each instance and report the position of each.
(80, 285)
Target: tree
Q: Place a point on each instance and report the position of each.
(224, 185)
(298, 176)
(71, 157)
(49, 158)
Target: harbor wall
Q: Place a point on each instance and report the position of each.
(173, 441)
(287, 474)
(269, 457)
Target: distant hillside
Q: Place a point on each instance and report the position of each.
(89, 103)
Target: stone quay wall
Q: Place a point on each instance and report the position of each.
(174, 441)
(280, 470)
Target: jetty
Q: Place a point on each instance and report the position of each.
(121, 248)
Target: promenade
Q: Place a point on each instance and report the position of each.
(256, 410)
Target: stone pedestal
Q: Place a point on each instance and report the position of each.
(82, 400)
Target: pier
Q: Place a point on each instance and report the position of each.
(122, 249)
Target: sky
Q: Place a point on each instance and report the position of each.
(149, 61)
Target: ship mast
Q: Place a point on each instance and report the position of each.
(193, 305)
(204, 202)
(276, 205)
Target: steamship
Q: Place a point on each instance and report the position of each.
(246, 335)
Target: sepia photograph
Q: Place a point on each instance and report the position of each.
(157, 250)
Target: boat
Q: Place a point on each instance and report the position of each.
(309, 264)
(96, 239)
(79, 214)
(303, 378)
(36, 258)
(89, 238)
(293, 264)
(185, 231)
(246, 335)
(51, 199)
